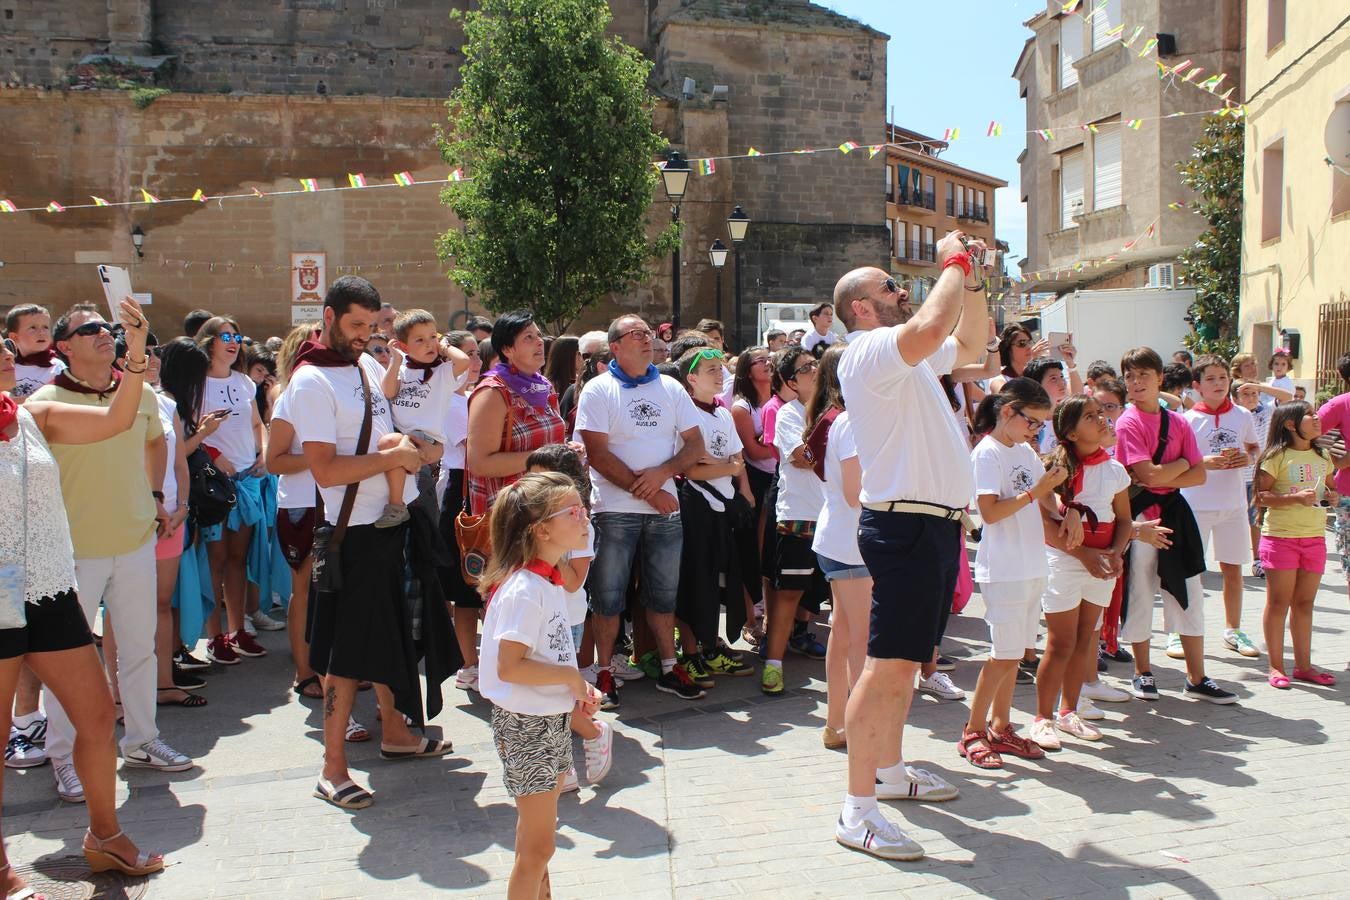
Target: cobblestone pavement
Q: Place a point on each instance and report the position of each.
(736, 796)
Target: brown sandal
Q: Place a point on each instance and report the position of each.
(974, 746)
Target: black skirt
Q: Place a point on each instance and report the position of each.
(56, 623)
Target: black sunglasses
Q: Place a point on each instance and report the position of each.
(89, 329)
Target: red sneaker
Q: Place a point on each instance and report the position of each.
(1011, 743)
(245, 644)
(220, 650)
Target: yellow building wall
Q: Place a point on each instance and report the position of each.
(1286, 278)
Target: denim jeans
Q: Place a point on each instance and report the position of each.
(618, 538)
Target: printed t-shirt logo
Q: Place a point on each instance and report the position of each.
(1021, 479)
(559, 640)
(1221, 439)
(377, 407)
(718, 445)
(413, 394)
(644, 413)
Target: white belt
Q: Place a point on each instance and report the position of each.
(917, 506)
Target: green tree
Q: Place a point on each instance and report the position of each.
(552, 127)
(1213, 264)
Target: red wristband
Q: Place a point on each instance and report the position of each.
(961, 259)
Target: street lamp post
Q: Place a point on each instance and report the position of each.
(675, 177)
(717, 254)
(737, 224)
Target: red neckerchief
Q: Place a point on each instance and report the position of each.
(544, 570)
(425, 368)
(9, 411)
(316, 354)
(1224, 407)
(709, 408)
(1095, 458)
(68, 381)
(42, 358)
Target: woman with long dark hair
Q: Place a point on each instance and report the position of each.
(564, 361)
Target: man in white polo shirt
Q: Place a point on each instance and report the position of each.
(822, 317)
(917, 480)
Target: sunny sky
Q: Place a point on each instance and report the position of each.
(948, 71)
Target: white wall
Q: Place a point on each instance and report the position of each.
(1107, 323)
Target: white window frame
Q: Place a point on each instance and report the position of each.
(1070, 49)
(1107, 173)
(1104, 20)
(1070, 160)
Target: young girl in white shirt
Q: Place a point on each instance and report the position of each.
(528, 664)
(1010, 564)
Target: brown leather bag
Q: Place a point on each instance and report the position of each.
(474, 533)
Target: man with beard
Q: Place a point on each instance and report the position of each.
(359, 629)
(916, 482)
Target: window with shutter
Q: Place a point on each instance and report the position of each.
(1106, 167)
(1070, 186)
(1105, 16)
(1070, 49)
(890, 190)
(903, 172)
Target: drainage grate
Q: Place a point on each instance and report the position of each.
(68, 879)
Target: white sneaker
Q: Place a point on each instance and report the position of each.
(1236, 639)
(940, 685)
(21, 753)
(156, 755)
(68, 786)
(920, 784)
(1070, 723)
(1100, 690)
(877, 835)
(1087, 710)
(1174, 648)
(264, 622)
(35, 730)
(590, 673)
(249, 627)
(599, 753)
(1042, 731)
(570, 783)
(618, 664)
(466, 679)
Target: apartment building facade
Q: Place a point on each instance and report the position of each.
(1295, 271)
(926, 197)
(1095, 184)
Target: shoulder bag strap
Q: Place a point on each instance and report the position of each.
(1162, 437)
(362, 446)
(506, 444)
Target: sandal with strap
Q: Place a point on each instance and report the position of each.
(101, 859)
(356, 732)
(301, 687)
(348, 795)
(1312, 676)
(974, 746)
(25, 892)
(192, 701)
(424, 747)
(1278, 680)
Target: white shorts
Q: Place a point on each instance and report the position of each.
(1230, 533)
(1145, 586)
(1013, 611)
(1071, 583)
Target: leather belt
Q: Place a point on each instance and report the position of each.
(936, 510)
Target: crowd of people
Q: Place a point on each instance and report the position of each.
(548, 520)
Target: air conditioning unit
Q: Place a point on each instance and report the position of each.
(1161, 276)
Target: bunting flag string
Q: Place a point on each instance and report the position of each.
(1084, 264)
(309, 185)
(231, 266)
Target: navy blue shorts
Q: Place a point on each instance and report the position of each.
(913, 561)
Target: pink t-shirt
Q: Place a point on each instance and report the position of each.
(770, 418)
(1335, 413)
(1137, 438)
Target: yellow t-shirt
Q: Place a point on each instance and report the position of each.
(1296, 470)
(105, 485)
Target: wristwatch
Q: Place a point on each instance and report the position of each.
(158, 495)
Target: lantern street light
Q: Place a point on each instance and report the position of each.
(675, 177)
(717, 254)
(138, 241)
(737, 224)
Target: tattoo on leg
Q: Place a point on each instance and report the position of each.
(330, 702)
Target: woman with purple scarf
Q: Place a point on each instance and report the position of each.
(513, 411)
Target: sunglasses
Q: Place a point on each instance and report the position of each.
(89, 329)
(577, 511)
(231, 338)
(706, 353)
(378, 351)
(1023, 343)
(890, 287)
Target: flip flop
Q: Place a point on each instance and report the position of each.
(356, 732)
(313, 680)
(191, 701)
(1312, 676)
(1278, 680)
(426, 747)
(348, 795)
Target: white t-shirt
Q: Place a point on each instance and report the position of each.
(529, 610)
(1101, 483)
(800, 493)
(643, 424)
(1012, 549)
(1224, 489)
(770, 464)
(1260, 422)
(728, 392)
(29, 378)
(234, 438)
(293, 491)
(576, 600)
(811, 338)
(456, 431)
(908, 441)
(837, 530)
(327, 407)
(721, 442)
(422, 405)
(166, 410)
(1284, 382)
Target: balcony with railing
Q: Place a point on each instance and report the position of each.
(920, 199)
(974, 213)
(915, 252)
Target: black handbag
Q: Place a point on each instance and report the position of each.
(211, 493)
(327, 571)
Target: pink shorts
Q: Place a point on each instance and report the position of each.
(170, 547)
(1308, 554)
